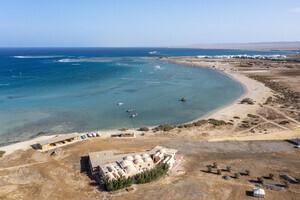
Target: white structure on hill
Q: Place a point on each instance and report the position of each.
(106, 163)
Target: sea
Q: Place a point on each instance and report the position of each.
(62, 90)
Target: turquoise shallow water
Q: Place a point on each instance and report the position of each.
(64, 90)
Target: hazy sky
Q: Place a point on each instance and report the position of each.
(146, 22)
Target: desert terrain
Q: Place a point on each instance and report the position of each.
(254, 133)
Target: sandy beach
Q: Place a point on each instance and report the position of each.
(254, 89)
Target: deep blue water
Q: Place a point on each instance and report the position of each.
(78, 89)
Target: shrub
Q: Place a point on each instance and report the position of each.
(215, 165)
(216, 122)
(2, 153)
(144, 129)
(188, 125)
(116, 184)
(252, 116)
(286, 184)
(247, 172)
(209, 168)
(228, 168)
(164, 127)
(144, 177)
(260, 180)
(247, 101)
(152, 174)
(200, 122)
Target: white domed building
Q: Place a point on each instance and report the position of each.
(113, 166)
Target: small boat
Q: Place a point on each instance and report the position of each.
(129, 110)
(120, 103)
(133, 115)
(183, 99)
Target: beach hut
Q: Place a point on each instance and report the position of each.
(259, 192)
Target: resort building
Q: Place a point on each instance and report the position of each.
(58, 141)
(107, 163)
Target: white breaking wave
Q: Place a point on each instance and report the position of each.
(4, 84)
(244, 56)
(152, 82)
(153, 52)
(158, 67)
(38, 57)
(122, 64)
(72, 60)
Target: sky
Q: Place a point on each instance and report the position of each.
(143, 23)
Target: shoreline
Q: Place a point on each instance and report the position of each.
(252, 89)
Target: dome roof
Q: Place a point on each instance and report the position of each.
(124, 163)
(145, 155)
(162, 151)
(109, 168)
(110, 176)
(130, 169)
(136, 161)
(147, 159)
(137, 157)
(130, 158)
(121, 172)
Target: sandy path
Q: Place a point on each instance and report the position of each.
(21, 166)
(283, 114)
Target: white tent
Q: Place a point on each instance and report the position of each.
(259, 192)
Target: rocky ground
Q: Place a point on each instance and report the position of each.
(62, 176)
(280, 111)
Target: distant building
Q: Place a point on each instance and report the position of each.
(113, 166)
(58, 141)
